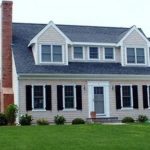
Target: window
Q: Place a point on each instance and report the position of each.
(69, 97)
(78, 52)
(109, 53)
(38, 97)
(135, 56)
(51, 53)
(126, 98)
(93, 53)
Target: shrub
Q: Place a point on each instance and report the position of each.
(78, 121)
(127, 120)
(25, 120)
(3, 120)
(42, 122)
(142, 118)
(59, 120)
(11, 113)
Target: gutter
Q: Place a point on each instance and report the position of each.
(83, 76)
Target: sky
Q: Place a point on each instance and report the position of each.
(119, 13)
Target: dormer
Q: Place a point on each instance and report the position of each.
(134, 48)
(50, 46)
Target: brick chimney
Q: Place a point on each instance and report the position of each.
(7, 96)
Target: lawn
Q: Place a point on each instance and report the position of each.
(80, 137)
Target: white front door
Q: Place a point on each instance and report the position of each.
(98, 95)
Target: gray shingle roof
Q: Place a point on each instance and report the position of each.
(23, 33)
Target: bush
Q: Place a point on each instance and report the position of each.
(78, 121)
(59, 120)
(25, 120)
(127, 120)
(142, 118)
(11, 113)
(3, 120)
(42, 122)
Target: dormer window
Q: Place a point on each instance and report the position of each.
(109, 53)
(93, 53)
(135, 56)
(51, 53)
(78, 52)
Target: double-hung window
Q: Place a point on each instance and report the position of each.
(51, 53)
(93, 53)
(69, 97)
(126, 96)
(38, 97)
(135, 56)
(78, 52)
(109, 53)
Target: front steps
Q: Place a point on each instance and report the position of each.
(103, 120)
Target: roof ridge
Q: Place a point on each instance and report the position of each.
(95, 26)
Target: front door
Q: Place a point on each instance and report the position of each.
(99, 107)
(98, 98)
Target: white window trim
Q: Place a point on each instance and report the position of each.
(44, 98)
(94, 59)
(137, 64)
(75, 104)
(51, 44)
(72, 50)
(114, 54)
(131, 90)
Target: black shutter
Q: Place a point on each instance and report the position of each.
(118, 97)
(59, 97)
(28, 97)
(79, 97)
(145, 96)
(48, 97)
(135, 96)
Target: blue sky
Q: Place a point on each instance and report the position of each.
(118, 13)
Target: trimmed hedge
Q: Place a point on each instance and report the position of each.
(78, 121)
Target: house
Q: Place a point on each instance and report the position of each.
(71, 70)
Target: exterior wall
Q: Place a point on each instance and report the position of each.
(69, 115)
(51, 36)
(101, 55)
(134, 40)
(133, 112)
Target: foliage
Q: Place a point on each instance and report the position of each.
(3, 119)
(142, 118)
(11, 113)
(25, 120)
(42, 122)
(127, 120)
(78, 121)
(59, 120)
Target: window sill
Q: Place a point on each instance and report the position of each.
(129, 108)
(69, 109)
(36, 110)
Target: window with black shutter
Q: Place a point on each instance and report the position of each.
(48, 97)
(79, 97)
(59, 97)
(118, 96)
(135, 96)
(28, 97)
(146, 99)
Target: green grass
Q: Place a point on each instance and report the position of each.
(69, 137)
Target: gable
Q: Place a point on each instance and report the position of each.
(134, 38)
(51, 35)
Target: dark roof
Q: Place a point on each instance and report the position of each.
(23, 33)
(149, 39)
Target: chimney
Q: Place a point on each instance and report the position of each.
(6, 54)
